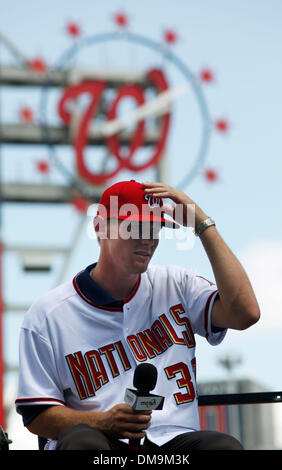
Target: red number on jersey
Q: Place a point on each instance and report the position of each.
(183, 382)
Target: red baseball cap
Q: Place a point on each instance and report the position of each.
(127, 200)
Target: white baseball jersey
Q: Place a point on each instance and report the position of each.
(79, 350)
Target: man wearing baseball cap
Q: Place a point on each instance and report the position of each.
(129, 201)
(81, 343)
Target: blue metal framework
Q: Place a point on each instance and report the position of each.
(168, 55)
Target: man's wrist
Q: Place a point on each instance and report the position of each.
(202, 226)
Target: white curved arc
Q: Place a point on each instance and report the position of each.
(155, 107)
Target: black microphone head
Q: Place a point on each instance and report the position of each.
(145, 378)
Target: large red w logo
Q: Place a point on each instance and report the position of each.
(96, 89)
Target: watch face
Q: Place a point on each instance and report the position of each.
(122, 105)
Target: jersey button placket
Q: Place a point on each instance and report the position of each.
(126, 310)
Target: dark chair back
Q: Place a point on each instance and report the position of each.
(41, 442)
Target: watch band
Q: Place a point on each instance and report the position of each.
(203, 226)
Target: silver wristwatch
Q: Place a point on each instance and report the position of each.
(203, 226)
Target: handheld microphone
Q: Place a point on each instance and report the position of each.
(144, 380)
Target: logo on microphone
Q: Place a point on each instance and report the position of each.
(150, 404)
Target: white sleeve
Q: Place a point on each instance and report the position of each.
(201, 295)
(38, 379)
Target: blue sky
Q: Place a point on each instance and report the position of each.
(241, 43)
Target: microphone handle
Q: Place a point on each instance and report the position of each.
(134, 444)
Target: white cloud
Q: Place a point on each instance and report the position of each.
(263, 262)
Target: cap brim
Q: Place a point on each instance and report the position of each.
(149, 218)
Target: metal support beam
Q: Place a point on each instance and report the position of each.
(240, 398)
(2, 367)
(19, 76)
(46, 250)
(46, 193)
(34, 134)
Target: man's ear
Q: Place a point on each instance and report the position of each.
(100, 226)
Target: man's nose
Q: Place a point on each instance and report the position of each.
(147, 241)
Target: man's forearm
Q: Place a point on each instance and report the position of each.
(120, 421)
(50, 422)
(235, 290)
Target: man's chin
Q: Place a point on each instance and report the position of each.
(141, 265)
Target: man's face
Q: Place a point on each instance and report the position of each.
(131, 245)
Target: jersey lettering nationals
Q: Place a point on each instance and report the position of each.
(88, 369)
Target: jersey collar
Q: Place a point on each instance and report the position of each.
(94, 295)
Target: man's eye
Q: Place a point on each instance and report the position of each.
(133, 230)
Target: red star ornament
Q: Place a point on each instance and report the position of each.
(121, 19)
(222, 125)
(80, 204)
(170, 36)
(207, 75)
(26, 115)
(73, 29)
(38, 65)
(211, 175)
(43, 166)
